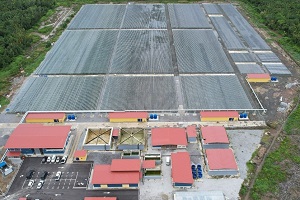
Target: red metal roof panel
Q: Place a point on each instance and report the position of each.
(80, 153)
(103, 175)
(148, 164)
(191, 131)
(267, 76)
(181, 168)
(219, 114)
(214, 134)
(221, 159)
(115, 132)
(168, 136)
(100, 198)
(58, 115)
(38, 136)
(13, 153)
(126, 115)
(125, 165)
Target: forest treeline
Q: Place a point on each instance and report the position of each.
(280, 16)
(16, 17)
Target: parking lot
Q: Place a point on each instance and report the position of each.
(73, 175)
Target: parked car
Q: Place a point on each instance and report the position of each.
(58, 175)
(57, 159)
(53, 158)
(49, 159)
(64, 159)
(44, 175)
(44, 159)
(31, 182)
(29, 174)
(40, 184)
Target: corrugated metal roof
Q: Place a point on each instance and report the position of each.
(100, 198)
(13, 153)
(221, 159)
(181, 168)
(214, 134)
(80, 153)
(168, 136)
(45, 115)
(38, 136)
(125, 165)
(115, 132)
(103, 175)
(126, 115)
(219, 114)
(258, 76)
(148, 164)
(191, 131)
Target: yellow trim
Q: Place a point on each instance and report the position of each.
(44, 120)
(103, 186)
(125, 185)
(127, 120)
(217, 119)
(258, 80)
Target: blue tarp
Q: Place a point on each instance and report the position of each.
(2, 164)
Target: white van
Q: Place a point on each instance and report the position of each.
(168, 161)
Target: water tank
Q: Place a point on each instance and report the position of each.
(245, 115)
(155, 116)
(73, 117)
(151, 116)
(69, 117)
(241, 115)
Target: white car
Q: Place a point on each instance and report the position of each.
(30, 184)
(58, 175)
(48, 159)
(53, 158)
(57, 159)
(40, 184)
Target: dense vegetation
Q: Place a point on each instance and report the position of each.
(283, 17)
(16, 17)
(275, 169)
(292, 125)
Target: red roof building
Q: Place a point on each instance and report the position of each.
(214, 137)
(125, 165)
(100, 198)
(221, 162)
(45, 117)
(258, 76)
(191, 133)
(102, 175)
(128, 116)
(181, 169)
(148, 164)
(168, 137)
(219, 115)
(115, 132)
(38, 136)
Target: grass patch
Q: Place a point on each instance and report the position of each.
(272, 172)
(292, 125)
(45, 30)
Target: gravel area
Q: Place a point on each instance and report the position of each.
(244, 143)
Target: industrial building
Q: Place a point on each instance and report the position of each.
(214, 137)
(151, 170)
(191, 133)
(97, 139)
(220, 162)
(217, 116)
(181, 170)
(38, 139)
(80, 155)
(162, 138)
(45, 117)
(258, 78)
(131, 139)
(128, 117)
(122, 173)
